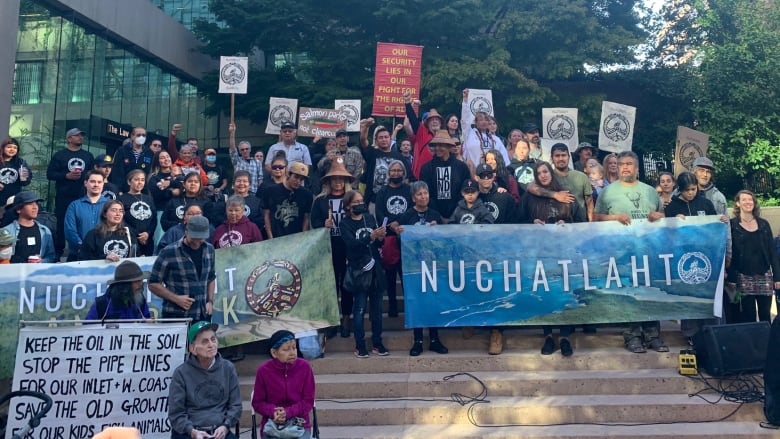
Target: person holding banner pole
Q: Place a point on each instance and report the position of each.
(626, 200)
(422, 135)
(204, 400)
(242, 160)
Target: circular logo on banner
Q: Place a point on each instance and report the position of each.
(282, 288)
(481, 104)
(689, 152)
(616, 127)
(232, 73)
(281, 113)
(352, 113)
(560, 127)
(694, 268)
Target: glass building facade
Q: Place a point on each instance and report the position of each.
(186, 12)
(66, 75)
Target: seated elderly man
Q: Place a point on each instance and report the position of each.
(204, 400)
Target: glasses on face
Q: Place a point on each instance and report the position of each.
(278, 167)
(287, 131)
(486, 176)
(116, 210)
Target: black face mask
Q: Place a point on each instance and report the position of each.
(396, 180)
(359, 209)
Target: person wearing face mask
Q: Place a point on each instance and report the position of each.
(134, 155)
(125, 298)
(215, 173)
(7, 241)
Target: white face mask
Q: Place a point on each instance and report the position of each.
(6, 253)
(140, 140)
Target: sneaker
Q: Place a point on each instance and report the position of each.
(635, 345)
(416, 349)
(379, 349)
(566, 349)
(496, 342)
(549, 346)
(438, 347)
(361, 352)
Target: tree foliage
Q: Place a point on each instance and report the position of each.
(513, 47)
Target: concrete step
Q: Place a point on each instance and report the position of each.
(707, 430)
(518, 410)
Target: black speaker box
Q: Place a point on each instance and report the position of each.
(732, 349)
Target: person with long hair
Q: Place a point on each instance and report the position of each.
(284, 385)
(141, 213)
(328, 211)
(610, 164)
(111, 239)
(363, 238)
(191, 194)
(479, 140)
(754, 272)
(124, 298)
(278, 173)
(665, 187)
(452, 125)
(503, 174)
(543, 210)
(15, 173)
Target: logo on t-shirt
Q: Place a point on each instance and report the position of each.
(467, 219)
(116, 246)
(232, 238)
(287, 212)
(493, 208)
(140, 211)
(396, 205)
(444, 183)
(8, 175)
(75, 163)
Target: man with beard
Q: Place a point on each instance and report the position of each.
(125, 298)
(288, 205)
(576, 183)
(66, 170)
(422, 134)
(378, 158)
(625, 200)
(444, 175)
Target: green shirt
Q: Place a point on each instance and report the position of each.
(636, 201)
(578, 184)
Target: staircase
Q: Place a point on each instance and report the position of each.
(602, 391)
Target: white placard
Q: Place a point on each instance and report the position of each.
(98, 376)
(280, 110)
(616, 130)
(352, 108)
(560, 124)
(478, 100)
(233, 74)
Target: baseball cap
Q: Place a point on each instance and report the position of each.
(559, 147)
(199, 327)
(198, 227)
(287, 125)
(341, 132)
(530, 127)
(484, 168)
(298, 168)
(469, 186)
(74, 132)
(104, 160)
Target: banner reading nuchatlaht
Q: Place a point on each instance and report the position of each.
(562, 274)
(283, 283)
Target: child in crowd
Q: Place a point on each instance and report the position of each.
(470, 209)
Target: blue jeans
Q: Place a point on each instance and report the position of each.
(374, 296)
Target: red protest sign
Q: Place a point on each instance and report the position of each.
(397, 71)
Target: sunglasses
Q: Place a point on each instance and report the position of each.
(278, 167)
(485, 176)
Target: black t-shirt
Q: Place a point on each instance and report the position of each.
(288, 208)
(377, 164)
(28, 243)
(412, 217)
(444, 179)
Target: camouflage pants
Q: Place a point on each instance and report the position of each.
(646, 331)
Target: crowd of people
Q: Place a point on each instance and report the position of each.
(179, 204)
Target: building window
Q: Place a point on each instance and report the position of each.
(28, 78)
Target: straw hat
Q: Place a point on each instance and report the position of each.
(337, 169)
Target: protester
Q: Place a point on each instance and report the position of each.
(183, 274)
(666, 183)
(420, 214)
(363, 239)
(392, 201)
(253, 206)
(141, 215)
(284, 385)
(15, 173)
(217, 176)
(421, 133)
(33, 241)
(204, 400)
(67, 170)
(188, 164)
(353, 158)
(237, 229)
(242, 160)
(328, 211)
(175, 233)
(626, 200)
(7, 242)
(522, 165)
(576, 184)
(584, 152)
(531, 135)
(84, 214)
(377, 159)
(105, 165)
(192, 194)
(294, 151)
(595, 173)
(611, 167)
(452, 125)
(444, 175)
(499, 202)
(754, 272)
(470, 208)
(124, 298)
(502, 176)
(479, 140)
(288, 205)
(111, 239)
(162, 185)
(278, 174)
(135, 155)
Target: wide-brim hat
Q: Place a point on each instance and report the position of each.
(199, 327)
(337, 169)
(442, 137)
(431, 114)
(25, 197)
(585, 145)
(128, 271)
